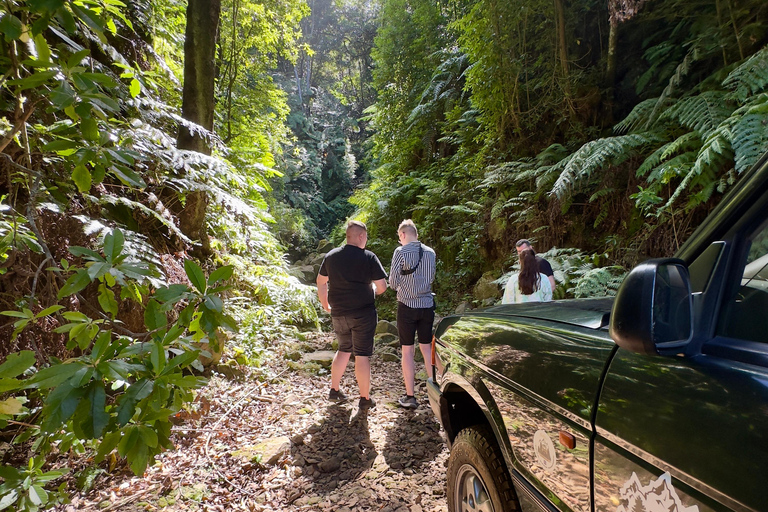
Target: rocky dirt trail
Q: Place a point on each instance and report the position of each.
(279, 445)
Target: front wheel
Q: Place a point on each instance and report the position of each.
(477, 478)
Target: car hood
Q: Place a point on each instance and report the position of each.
(589, 313)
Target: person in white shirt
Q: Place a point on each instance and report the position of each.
(528, 285)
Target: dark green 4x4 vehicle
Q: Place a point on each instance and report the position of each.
(655, 401)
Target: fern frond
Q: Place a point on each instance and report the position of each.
(751, 77)
(681, 70)
(601, 193)
(638, 117)
(679, 165)
(596, 155)
(703, 112)
(750, 133)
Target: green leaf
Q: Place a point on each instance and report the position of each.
(53, 375)
(60, 405)
(76, 58)
(135, 393)
(37, 495)
(138, 457)
(148, 435)
(220, 274)
(130, 436)
(60, 145)
(43, 50)
(195, 275)
(82, 178)
(181, 360)
(48, 311)
(171, 293)
(135, 88)
(16, 363)
(154, 317)
(8, 499)
(107, 445)
(107, 300)
(157, 357)
(10, 26)
(113, 244)
(90, 129)
(84, 251)
(16, 314)
(10, 406)
(75, 283)
(214, 303)
(96, 419)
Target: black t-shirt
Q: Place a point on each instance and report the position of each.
(544, 266)
(350, 271)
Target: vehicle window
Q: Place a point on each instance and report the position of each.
(743, 316)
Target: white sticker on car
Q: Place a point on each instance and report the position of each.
(545, 450)
(657, 496)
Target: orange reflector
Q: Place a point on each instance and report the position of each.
(568, 440)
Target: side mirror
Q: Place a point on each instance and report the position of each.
(653, 307)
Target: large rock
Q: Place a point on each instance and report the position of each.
(486, 287)
(308, 273)
(463, 308)
(268, 452)
(384, 338)
(384, 327)
(322, 357)
(323, 246)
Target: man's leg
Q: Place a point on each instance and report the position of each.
(406, 330)
(363, 375)
(341, 358)
(408, 368)
(363, 329)
(340, 361)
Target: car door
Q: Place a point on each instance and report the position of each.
(541, 382)
(688, 431)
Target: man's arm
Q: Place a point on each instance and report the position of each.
(394, 271)
(380, 284)
(322, 291)
(552, 282)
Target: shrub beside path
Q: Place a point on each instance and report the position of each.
(279, 445)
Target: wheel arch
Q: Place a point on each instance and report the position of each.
(464, 404)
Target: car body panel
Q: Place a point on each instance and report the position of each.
(717, 445)
(537, 378)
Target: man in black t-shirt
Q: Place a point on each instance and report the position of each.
(544, 266)
(347, 284)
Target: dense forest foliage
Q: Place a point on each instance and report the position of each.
(163, 161)
(604, 130)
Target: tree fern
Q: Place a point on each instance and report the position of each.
(596, 155)
(703, 112)
(751, 77)
(682, 69)
(750, 133)
(638, 117)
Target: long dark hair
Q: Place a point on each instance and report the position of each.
(528, 280)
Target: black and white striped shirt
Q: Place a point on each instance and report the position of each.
(413, 290)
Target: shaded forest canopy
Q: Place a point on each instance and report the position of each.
(163, 161)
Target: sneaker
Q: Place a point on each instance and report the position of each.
(336, 395)
(409, 402)
(366, 403)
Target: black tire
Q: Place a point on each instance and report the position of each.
(478, 480)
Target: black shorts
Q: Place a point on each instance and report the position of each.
(414, 320)
(355, 332)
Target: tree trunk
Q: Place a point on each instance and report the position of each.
(198, 103)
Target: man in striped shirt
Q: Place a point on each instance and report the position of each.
(411, 276)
